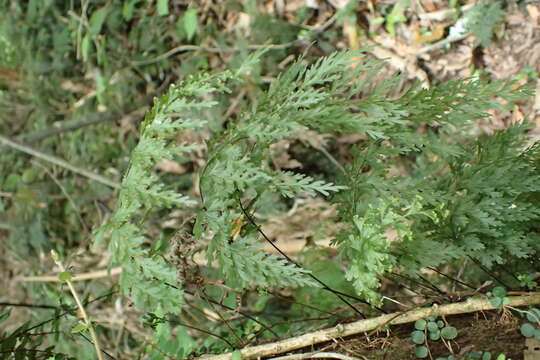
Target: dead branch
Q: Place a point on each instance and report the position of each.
(342, 330)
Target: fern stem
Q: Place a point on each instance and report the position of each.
(325, 287)
(86, 318)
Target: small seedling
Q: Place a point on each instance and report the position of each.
(499, 299)
(484, 355)
(433, 330)
(527, 280)
(530, 329)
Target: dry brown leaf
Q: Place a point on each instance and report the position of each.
(314, 139)
(74, 87)
(309, 219)
(534, 13)
(281, 158)
(429, 5)
(9, 76)
(436, 34)
(171, 167)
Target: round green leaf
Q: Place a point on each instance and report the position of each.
(65, 276)
(533, 315)
(190, 23)
(499, 291)
(474, 355)
(28, 175)
(163, 7)
(435, 335)
(421, 352)
(11, 182)
(449, 333)
(420, 324)
(527, 330)
(501, 357)
(497, 302)
(486, 356)
(440, 324)
(418, 337)
(78, 328)
(96, 21)
(432, 326)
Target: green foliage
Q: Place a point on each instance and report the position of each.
(150, 281)
(396, 15)
(22, 342)
(483, 19)
(461, 199)
(430, 330)
(531, 328)
(456, 199)
(499, 299)
(483, 355)
(301, 98)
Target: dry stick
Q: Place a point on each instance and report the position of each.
(78, 124)
(68, 126)
(182, 48)
(440, 44)
(342, 330)
(80, 277)
(86, 318)
(57, 161)
(442, 15)
(316, 355)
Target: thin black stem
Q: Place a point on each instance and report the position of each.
(91, 342)
(301, 304)
(419, 283)
(489, 273)
(176, 322)
(451, 278)
(431, 285)
(36, 306)
(230, 308)
(324, 286)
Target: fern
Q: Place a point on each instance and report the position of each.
(482, 20)
(304, 97)
(435, 219)
(147, 278)
(458, 198)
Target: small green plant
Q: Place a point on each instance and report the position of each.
(484, 355)
(531, 328)
(480, 21)
(396, 16)
(527, 280)
(431, 330)
(499, 298)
